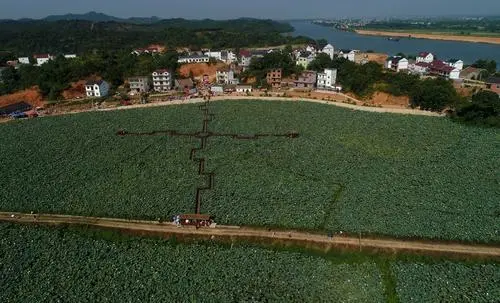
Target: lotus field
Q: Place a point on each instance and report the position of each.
(404, 176)
(42, 264)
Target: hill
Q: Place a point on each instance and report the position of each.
(100, 17)
(80, 36)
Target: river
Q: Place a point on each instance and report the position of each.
(466, 51)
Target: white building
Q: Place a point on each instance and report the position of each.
(396, 63)
(217, 55)
(97, 88)
(225, 76)
(329, 50)
(327, 79)
(348, 54)
(244, 89)
(70, 56)
(24, 60)
(42, 58)
(425, 57)
(311, 49)
(194, 59)
(139, 84)
(455, 63)
(162, 80)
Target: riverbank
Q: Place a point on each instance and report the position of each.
(436, 36)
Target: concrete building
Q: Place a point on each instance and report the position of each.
(42, 58)
(307, 79)
(455, 63)
(329, 50)
(162, 80)
(472, 73)
(493, 84)
(225, 76)
(274, 77)
(194, 59)
(425, 57)
(244, 89)
(396, 63)
(139, 84)
(349, 54)
(304, 60)
(327, 79)
(98, 88)
(24, 60)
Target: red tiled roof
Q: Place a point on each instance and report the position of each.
(245, 53)
(422, 64)
(36, 56)
(161, 71)
(423, 54)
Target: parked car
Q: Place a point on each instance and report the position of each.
(18, 115)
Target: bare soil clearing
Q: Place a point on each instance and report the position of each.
(445, 37)
(290, 237)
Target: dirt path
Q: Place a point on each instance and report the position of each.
(403, 111)
(436, 36)
(261, 235)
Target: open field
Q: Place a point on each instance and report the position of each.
(73, 265)
(405, 176)
(447, 36)
(41, 265)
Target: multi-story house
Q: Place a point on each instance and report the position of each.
(396, 63)
(425, 57)
(42, 58)
(304, 60)
(24, 60)
(194, 59)
(274, 77)
(139, 84)
(456, 63)
(327, 79)
(306, 79)
(349, 54)
(99, 88)
(329, 50)
(162, 80)
(226, 76)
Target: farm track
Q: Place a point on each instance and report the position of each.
(263, 235)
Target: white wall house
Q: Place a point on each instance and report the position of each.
(311, 49)
(327, 79)
(348, 54)
(455, 63)
(162, 80)
(396, 63)
(226, 76)
(243, 89)
(24, 60)
(329, 50)
(217, 55)
(42, 58)
(425, 57)
(97, 88)
(193, 59)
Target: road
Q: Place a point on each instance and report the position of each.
(262, 235)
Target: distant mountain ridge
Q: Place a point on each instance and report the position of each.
(97, 17)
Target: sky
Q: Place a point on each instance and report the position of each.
(229, 9)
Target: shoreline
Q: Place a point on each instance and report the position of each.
(430, 36)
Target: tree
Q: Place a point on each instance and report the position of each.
(10, 81)
(321, 62)
(484, 109)
(489, 65)
(321, 43)
(433, 95)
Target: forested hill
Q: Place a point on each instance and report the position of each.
(25, 37)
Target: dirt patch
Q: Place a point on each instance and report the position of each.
(385, 99)
(440, 36)
(199, 69)
(76, 90)
(31, 96)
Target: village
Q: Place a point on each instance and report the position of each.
(219, 72)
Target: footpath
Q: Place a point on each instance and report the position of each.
(302, 239)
